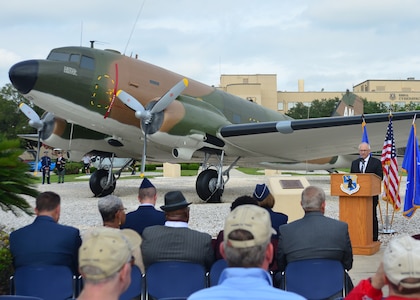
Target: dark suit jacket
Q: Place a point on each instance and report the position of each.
(170, 243)
(314, 236)
(45, 242)
(374, 166)
(144, 216)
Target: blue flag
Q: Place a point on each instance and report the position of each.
(411, 164)
(365, 138)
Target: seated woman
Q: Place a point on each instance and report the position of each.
(266, 200)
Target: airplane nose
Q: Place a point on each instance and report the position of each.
(23, 75)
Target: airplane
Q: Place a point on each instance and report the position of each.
(112, 105)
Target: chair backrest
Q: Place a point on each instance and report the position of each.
(135, 289)
(49, 282)
(215, 271)
(315, 279)
(174, 279)
(18, 297)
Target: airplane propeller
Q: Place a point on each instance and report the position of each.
(35, 122)
(147, 114)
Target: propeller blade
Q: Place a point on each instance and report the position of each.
(170, 96)
(34, 120)
(130, 101)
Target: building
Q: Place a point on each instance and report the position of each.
(262, 89)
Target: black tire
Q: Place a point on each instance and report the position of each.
(97, 183)
(205, 186)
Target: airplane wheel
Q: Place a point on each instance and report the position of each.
(206, 185)
(97, 183)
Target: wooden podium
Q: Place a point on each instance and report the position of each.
(355, 192)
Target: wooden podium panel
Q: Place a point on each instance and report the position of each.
(355, 208)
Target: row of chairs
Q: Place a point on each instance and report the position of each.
(314, 279)
(49, 282)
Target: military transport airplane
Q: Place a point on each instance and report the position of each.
(109, 104)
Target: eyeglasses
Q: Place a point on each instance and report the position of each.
(124, 209)
(132, 260)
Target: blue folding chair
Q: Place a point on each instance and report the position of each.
(215, 271)
(49, 282)
(135, 289)
(18, 297)
(315, 279)
(174, 279)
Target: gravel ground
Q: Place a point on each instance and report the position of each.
(79, 207)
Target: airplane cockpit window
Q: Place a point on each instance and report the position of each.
(75, 58)
(87, 63)
(58, 56)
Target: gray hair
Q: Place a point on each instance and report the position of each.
(312, 198)
(108, 206)
(250, 257)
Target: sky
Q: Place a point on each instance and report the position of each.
(331, 45)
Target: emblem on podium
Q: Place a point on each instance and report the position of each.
(350, 185)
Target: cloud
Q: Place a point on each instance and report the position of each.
(330, 44)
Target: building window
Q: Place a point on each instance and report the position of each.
(280, 106)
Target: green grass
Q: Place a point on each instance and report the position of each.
(251, 171)
(79, 177)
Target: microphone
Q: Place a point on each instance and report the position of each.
(362, 160)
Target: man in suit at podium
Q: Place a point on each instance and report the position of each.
(368, 164)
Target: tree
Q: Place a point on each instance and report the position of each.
(15, 180)
(372, 107)
(12, 121)
(317, 109)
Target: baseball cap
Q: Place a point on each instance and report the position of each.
(251, 218)
(402, 260)
(106, 250)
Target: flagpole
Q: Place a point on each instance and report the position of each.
(386, 164)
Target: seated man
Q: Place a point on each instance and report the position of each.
(105, 260)
(112, 211)
(399, 271)
(146, 214)
(174, 240)
(315, 235)
(45, 241)
(248, 252)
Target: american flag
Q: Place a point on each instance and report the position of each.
(390, 169)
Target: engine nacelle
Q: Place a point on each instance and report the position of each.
(183, 153)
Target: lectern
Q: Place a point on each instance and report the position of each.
(355, 193)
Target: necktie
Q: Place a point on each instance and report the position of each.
(362, 166)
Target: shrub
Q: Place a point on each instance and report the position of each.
(6, 262)
(190, 166)
(73, 167)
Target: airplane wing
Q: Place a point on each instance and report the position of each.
(300, 140)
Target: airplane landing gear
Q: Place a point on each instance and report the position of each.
(99, 185)
(210, 183)
(206, 186)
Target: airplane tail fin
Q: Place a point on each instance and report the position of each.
(349, 105)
